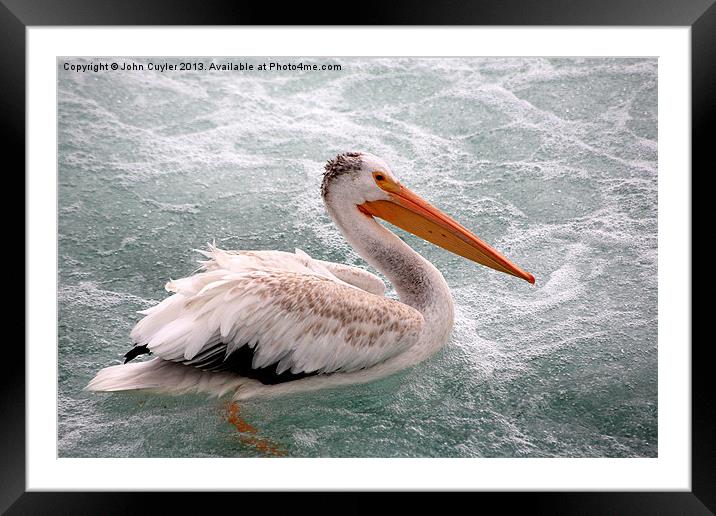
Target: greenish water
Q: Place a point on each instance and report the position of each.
(553, 161)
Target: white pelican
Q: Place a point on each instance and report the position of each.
(269, 322)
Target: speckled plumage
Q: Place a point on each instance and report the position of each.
(339, 165)
(302, 320)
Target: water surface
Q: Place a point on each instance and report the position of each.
(553, 161)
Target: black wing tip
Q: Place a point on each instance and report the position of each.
(240, 362)
(135, 352)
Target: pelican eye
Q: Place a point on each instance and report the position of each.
(385, 182)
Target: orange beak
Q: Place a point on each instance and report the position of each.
(412, 213)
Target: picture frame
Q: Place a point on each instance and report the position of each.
(16, 16)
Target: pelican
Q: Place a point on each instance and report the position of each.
(257, 323)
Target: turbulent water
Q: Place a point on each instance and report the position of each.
(552, 161)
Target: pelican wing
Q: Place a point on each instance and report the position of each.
(293, 321)
(355, 276)
(244, 261)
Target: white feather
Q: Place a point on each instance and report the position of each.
(297, 314)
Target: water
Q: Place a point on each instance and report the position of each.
(553, 161)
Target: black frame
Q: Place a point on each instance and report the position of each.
(16, 15)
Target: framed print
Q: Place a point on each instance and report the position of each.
(435, 251)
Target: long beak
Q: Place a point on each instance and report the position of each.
(412, 213)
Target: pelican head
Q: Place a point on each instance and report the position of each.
(365, 181)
